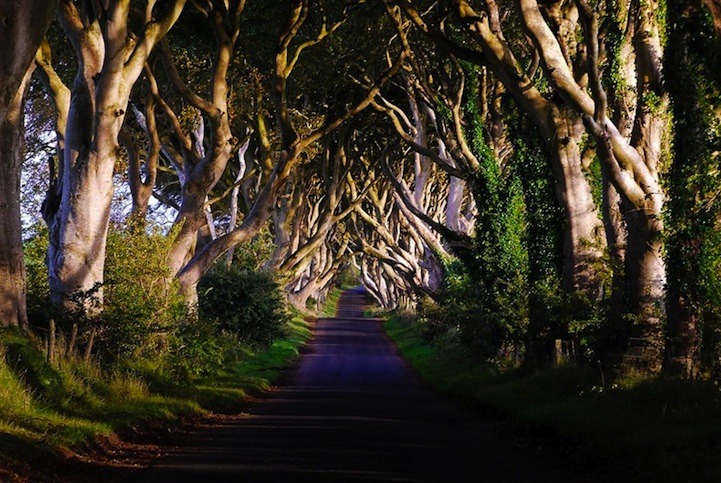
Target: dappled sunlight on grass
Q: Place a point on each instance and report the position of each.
(44, 407)
(331, 302)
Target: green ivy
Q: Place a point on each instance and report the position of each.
(693, 183)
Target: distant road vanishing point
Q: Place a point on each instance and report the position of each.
(351, 411)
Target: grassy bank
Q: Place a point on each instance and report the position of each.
(48, 410)
(635, 429)
(330, 307)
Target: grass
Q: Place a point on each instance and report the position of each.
(331, 302)
(44, 408)
(635, 429)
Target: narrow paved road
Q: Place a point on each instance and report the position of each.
(352, 411)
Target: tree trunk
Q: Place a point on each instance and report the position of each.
(646, 279)
(110, 60)
(23, 27)
(24, 23)
(13, 310)
(78, 232)
(583, 241)
(694, 181)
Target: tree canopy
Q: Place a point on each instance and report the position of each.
(537, 180)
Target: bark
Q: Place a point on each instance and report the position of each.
(142, 176)
(110, 60)
(328, 263)
(22, 28)
(583, 242)
(616, 237)
(60, 95)
(234, 194)
(560, 129)
(646, 276)
(633, 166)
(13, 309)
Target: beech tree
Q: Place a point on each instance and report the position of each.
(631, 156)
(693, 206)
(634, 163)
(22, 28)
(309, 223)
(293, 142)
(488, 44)
(110, 59)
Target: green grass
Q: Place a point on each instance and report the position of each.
(639, 430)
(331, 302)
(45, 408)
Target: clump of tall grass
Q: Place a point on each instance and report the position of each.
(15, 399)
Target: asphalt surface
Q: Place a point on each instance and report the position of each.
(352, 411)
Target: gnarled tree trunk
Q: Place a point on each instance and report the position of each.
(110, 60)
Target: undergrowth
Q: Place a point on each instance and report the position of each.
(46, 407)
(637, 429)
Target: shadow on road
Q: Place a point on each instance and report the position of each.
(351, 411)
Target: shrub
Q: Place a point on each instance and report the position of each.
(248, 304)
(141, 305)
(38, 289)
(201, 348)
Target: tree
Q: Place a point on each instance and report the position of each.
(110, 59)
(486, 43)
(293, 142)
(23, 27)
(692, 74)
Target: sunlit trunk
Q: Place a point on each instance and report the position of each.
(583, 243)
(646, 279)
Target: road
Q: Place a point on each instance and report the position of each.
(352, 411)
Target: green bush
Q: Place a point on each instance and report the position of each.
(248, 304)
(252, 254)
(38, 290)
(201, 348)
(141, 305)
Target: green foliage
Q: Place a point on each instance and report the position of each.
(499, 267)
(694, 241)
(630, 429)
(330, 307)
(546, 299)
(253, 253)
(200, 347)
(615, 78)
(40, 310)
(141, 304)
(348, 277)
(484, 299)
(248, 304)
